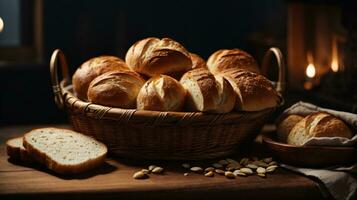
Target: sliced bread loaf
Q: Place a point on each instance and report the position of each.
(16, 150)
(64, 151)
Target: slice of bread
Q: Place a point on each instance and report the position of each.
(16, 150)
(64, 151)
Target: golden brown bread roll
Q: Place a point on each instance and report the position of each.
(206, 92)
(197, 61)
(318, 124)
(161, 93)
(254, 91)
(116, 89)
(286, 125)
(93, 68)
(152, 56)
(224, 59)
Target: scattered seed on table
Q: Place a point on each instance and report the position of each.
(252, 166)
(239, 173)
(262, 175)
(186, 165)
(246, 170)
(261, 170)
(268, 160)
(157, 170)
(151, 167)
(217, 165)
(219, 171)
(223, 162)
(196, 169)
(140, 175)
(185, 174)
(229, 174)
(209, 174)
(272, 163)
(145, 171)
(232, 161)
(209, 169)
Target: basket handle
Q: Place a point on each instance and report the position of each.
(280, 84)
(56, 87)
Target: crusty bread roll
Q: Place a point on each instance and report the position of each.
(286, 125)
(93, 68)
(318, 124)
(254, 91)
(161, 93)
(197, 61)
(206, 92)
(116, 89)
(152, 56)
(224, 59)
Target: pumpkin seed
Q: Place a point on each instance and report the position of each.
(252, 166)
(196, 169)
(186, 165)
(239, 173)
(219, 171)
(209, 169)
(246, 170)
(217, 165)
(157, 170)
(268, 160)
(262, 175)
(140, 175)
(229, 174)
(232, 161)
(271, 168)
(260, 163)
(209, 174)
(151, 167)
(261, 170)
(223, 162)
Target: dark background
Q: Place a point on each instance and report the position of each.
(83, 29)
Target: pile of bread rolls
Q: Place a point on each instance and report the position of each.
(297, 130)
(161, 75)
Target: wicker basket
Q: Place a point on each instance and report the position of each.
(160, 135)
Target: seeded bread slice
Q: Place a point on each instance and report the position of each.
(16, 150)
(64, 151)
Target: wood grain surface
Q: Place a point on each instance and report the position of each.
(114, 180)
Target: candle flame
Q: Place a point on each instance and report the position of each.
(334, 62)
(310, 71)
(1, 25)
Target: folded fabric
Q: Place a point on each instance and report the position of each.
(304, 109)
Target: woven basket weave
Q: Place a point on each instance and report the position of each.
(160, 135)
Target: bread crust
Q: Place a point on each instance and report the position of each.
(93, 68)
(43, 158)
(116, 89)
(153, 56)
(197, 61)
(207, 93)
(254, 92)
(226, 59)
(286, 125)
(161, 93)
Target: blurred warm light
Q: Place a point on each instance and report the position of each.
(310, 71)
(1, 25)
(334, 62)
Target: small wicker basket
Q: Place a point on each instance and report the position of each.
(160, 135)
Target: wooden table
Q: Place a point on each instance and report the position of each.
(114, 181)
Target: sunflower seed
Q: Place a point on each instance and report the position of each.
(217, 165)
(262, 175)
(261, 170)
(219, 171)
(157, 170)
(140, 175)
(229, 174)
(252, 166)
(186, 165)
(271, 168)
(231, 161)
(209, 174)
(209, 169)
(268, 160)
(260, 163)
(151, 167)
(196, 169)
(223, 162)
(246, 170)
(239, 173)
(145, 171)
(273, 163)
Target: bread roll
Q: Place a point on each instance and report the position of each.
(161, 93)
(224, 59)
(116, 89)
(319, 124)
(254, 91)
(152, 56)
(206, 92)
(197, 61)
(93, 68)
(286, 125)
